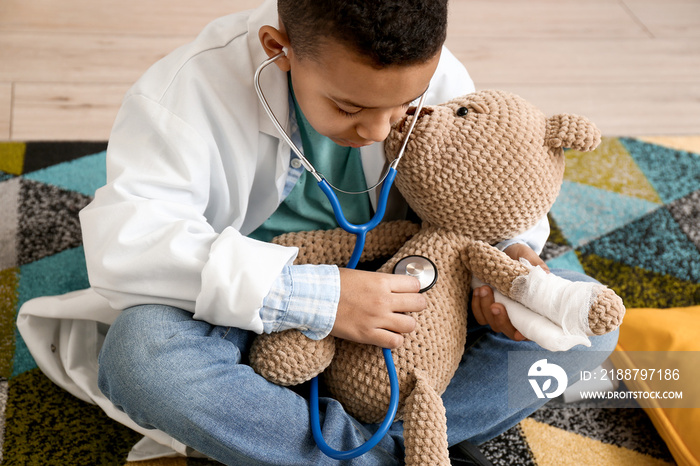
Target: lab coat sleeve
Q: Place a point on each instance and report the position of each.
(146, 236)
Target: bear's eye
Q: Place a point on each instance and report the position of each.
(462, 111)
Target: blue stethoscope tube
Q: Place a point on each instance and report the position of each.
(378, 435)
(361, 233)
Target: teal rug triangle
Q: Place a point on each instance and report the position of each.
(568, 260)
(673, 173)
(53, 275)
(83, 175)
(584, 212)
(654, 242)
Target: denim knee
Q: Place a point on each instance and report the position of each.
(603, 345)
(117, 356)
(128, 360)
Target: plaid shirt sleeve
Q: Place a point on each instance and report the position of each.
(304, 297)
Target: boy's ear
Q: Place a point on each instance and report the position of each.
(275, 41)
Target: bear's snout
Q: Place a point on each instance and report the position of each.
(404, 123)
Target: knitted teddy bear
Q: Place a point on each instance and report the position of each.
(477, 170)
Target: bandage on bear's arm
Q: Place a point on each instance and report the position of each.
(335, 246)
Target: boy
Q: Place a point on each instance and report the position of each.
(195, 166)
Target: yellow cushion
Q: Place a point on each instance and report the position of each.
(668, 330)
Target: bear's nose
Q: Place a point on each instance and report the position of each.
(403, 122)
(423, 111)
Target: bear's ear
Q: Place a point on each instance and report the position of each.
(571, 131)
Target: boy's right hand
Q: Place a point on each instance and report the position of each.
(373, 307)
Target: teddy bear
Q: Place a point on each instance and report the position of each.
(477, 170)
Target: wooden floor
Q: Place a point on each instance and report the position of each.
(633, 66)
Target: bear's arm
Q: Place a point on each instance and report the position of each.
(492, 266)
(335, 246)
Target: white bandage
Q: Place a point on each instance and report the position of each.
(564, 302)
(534, 326)
(548, 299)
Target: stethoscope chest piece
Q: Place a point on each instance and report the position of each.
(420, 267)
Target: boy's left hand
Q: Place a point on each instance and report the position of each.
(488, 312)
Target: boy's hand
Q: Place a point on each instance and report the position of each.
(519, 251)
(373, 307)
(488, 312)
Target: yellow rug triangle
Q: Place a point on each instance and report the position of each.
(12, 157)
(556, 447)
(610, 167)
(9, 283)
(686, 143)
(179, 461)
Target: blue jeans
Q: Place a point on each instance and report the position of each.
(189, 379)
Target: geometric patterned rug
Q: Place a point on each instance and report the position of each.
(628, 215)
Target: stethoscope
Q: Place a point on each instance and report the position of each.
(417, 266)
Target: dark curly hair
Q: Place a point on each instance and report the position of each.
(385, 32)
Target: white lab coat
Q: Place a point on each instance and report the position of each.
(193, 165)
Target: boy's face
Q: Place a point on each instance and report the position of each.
(348, 100)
